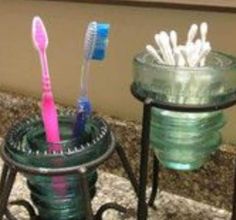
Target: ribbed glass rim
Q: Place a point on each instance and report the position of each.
(105, 136)
(213, 54)
(15, 134)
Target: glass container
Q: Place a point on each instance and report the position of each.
(58, 197)
(212, 84)
(183, 139)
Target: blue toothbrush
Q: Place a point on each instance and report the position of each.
(95, 44)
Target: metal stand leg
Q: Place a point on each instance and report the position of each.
(85, 190)
(142, 205)
(107, 206)
(25, 204)
(7, 180)
(3, 177)
(155, 179)
(127, 167)
(234, 197)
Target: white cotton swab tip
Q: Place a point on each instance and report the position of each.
(159, 43)
(193, 53)
(173, 39)
(165, 41)
(203, 31)
(192, 33)
(180, 61)
(154, 53)
(202, 56)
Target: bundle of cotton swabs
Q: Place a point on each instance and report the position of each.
(192, 54)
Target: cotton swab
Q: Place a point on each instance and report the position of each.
(192, 33)
(162, 49)
(189, 47)
(152, 51)
(180, 61)
(165, 41)
(197, 50)
(184, 54)
(206, 49)
(203, 32)
(192, 54)
(173, 39)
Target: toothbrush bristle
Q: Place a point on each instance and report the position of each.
(96, 40)
(101, 41)
(90, 40)
(39, 33)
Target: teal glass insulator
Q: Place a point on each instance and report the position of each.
(183, 140)
(213, 84)
(58, 197)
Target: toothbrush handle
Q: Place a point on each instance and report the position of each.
(84, 77)
(84, 110)
(79, 124)
(44, 62)
(48, 107)
(83, 104)
(50, 120)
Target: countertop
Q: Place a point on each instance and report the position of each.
(211, 185)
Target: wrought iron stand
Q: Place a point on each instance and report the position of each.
(10, 169)
(148, 103)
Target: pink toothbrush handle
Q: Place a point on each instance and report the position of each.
(50, 120)
(48, 108)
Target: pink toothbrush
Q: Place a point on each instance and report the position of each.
(48, 108)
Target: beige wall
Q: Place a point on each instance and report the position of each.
(131, 29)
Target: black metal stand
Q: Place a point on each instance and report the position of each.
(146, 120)
(7, 180)
(10, 169)
(127, 167)
(142, 205)
(234, 197)
(155, 174)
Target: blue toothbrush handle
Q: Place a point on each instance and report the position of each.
(84, 110)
